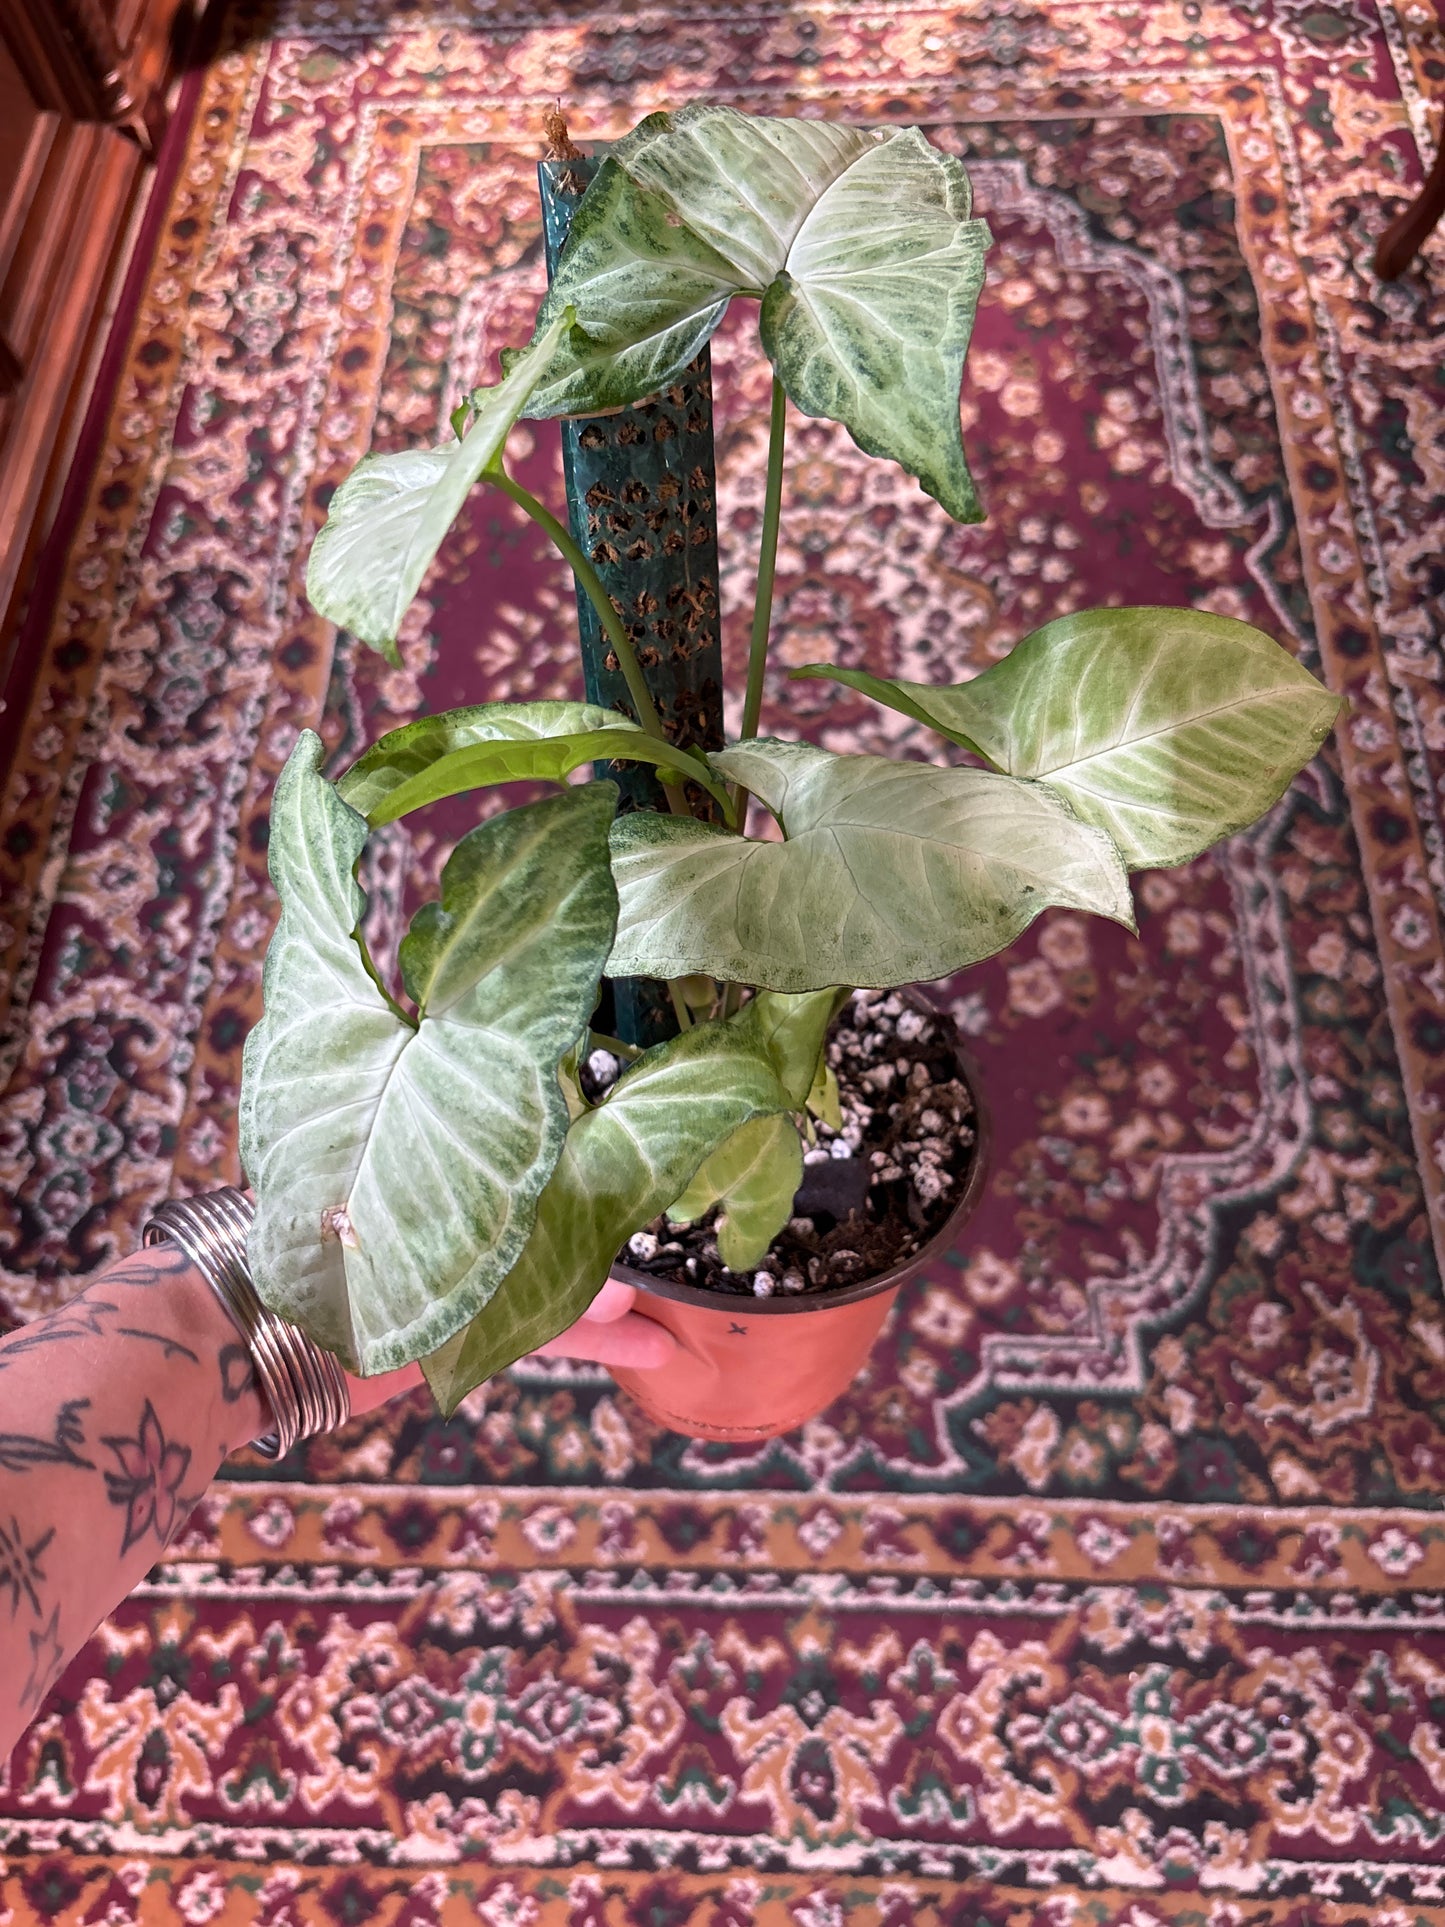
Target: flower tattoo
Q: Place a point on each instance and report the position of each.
(149, 1481)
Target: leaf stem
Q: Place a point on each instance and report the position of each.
(597, 595)
(679, 1004)
(601, 1041)
(369, 966)
(767, 564)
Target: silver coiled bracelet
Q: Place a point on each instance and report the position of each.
(304, 1388)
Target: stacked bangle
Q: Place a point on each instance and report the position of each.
(304, 1388)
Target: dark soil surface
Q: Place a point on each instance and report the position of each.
(872, 1193)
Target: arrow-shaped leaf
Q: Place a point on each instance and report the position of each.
(387, 519)
(624, 1162)
(755, 1177)
(397, 1165)
(466, 749)
(1167, 728)
(892, 873)
(869, 321)
(859, 242)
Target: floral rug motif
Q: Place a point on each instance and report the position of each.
(1112, 1591)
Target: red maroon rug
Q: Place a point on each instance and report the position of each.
(1111, 1593)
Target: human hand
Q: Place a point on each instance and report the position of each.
(609, 1332)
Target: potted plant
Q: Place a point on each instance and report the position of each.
(438, 1172)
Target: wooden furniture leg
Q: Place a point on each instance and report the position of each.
(1405, 235)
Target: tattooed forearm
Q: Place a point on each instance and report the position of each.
(148, 1483)
(173, 1346)
(115, 1414)
(46, 1657)
(22, 1452)
(86, 1317)
(238, 1374)
(79, 1319)
(154, 1265)
(20, 1564)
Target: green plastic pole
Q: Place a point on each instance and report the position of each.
(642, 502)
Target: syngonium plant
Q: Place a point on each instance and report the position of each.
(430, 1180)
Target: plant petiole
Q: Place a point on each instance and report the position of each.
(601, 1041)
(763, 605)
(767, 564)
(369, 966)
(581, 566)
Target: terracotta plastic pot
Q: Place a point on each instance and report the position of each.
(752, 1368)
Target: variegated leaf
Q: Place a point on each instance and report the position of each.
(860, 243)
(467, 749)
(387, 519)
(1167, 728)
(754, 1177)
(624, 1161)
(397, 1163)
(892, 873)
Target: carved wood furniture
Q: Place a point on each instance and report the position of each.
(84, 90)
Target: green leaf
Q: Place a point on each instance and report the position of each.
(397, 1165)
(388, 518)
(824, 1099)
(1167, 728)
(623, 1163)
(925, 702)
(397, 759)
(789, 1026)
(651, 293)
(466, 749)
(892, 873)
(570, 1080)
(870, 321)
(755, 1177)
(859, 242)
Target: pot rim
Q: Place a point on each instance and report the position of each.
(820, 1301)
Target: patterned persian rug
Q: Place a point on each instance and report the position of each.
(1112, 1593)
